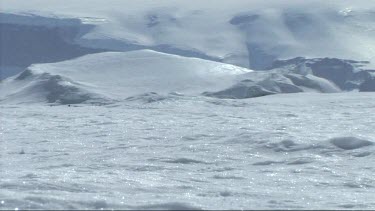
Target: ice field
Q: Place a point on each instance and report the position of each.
(292, 151)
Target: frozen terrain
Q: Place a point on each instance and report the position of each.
(294, 151)
(162, 104)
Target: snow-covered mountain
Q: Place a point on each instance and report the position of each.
(253, 34)
(108, 76)
(246, 33)
(116, 76)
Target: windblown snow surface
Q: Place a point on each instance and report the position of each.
(187, 105)
(293, 151)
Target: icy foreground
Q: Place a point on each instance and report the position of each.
(283, 151)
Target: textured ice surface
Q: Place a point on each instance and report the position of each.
(297, 151)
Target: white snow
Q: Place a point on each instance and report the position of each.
(261, 83)
(115, 75)
(123, 104)
(148, 75)
(273, 152)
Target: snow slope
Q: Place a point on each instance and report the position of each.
(148, 75)
(246, 33)
(110, 76)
